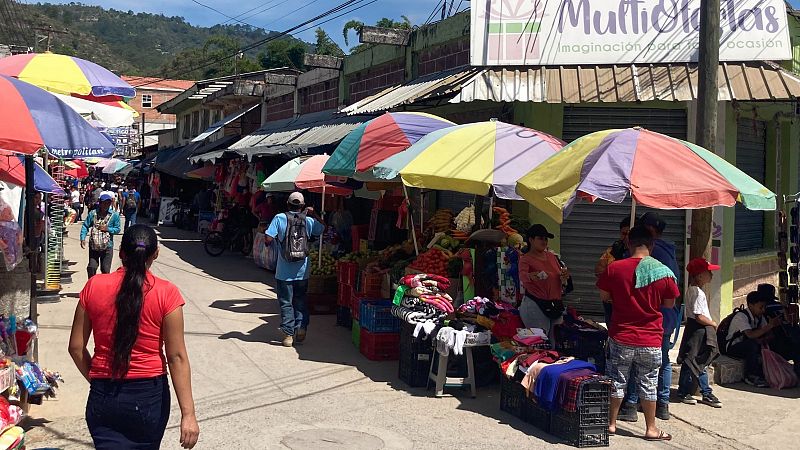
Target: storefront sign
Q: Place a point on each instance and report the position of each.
(571, 32)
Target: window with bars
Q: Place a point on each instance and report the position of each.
(147, 101)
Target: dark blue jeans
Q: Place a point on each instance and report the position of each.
(130, 219)
(664, 376)
(292, 300)
(686, 382)
(130, 414)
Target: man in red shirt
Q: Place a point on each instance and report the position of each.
(637, 288)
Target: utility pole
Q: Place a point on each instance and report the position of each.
(50, 32)
(706, 129)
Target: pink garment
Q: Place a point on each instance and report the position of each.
(529, 340)
(533, 372)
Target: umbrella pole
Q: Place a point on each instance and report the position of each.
(319, 263)
(633, 211)
(411, 217)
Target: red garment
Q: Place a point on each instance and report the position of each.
(636, 318)
(506, 324)
(550, 287)
(98, 298)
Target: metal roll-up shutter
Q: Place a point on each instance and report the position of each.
(593, 227)
(751, 158)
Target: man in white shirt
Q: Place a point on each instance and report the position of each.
(77, 205)
(747, 331)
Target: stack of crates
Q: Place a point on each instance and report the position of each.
(348, 274)
(379, 329)
(415, 356)
(588, 426)
(586, 344)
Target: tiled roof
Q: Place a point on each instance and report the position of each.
(157, 83)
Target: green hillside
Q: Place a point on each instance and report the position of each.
(144, 43)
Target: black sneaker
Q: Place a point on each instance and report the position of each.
(754, 380)
(688, 399)
(711, 400)
(627, 412)
(662, 411)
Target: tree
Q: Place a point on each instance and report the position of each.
(326, 46)
(283, 53)
(217, 57)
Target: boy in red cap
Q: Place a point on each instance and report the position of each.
(695, 333)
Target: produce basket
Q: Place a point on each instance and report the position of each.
(380, 346)
(376, 316)
(355, 334)
(345, 292)
(372, 283)
(321, 284)
(348, 272)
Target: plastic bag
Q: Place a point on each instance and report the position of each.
(778, 372)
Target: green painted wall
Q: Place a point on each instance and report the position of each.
(728, 220)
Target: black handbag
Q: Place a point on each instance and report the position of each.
(553, 309)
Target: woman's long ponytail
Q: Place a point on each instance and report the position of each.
(139, 243)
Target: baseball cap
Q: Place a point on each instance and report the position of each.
(653, 219)
(296, 198)
(700, 265)
(767, 291)
(106, 196)
(538, 230)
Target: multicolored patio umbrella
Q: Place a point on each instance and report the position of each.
(473, 158)
(65, 74)
(114, 165)
(32, 118)
(303, 173)
(80, 171)
(114, 101)
(12, 170)
(657, 170)
(380, 138)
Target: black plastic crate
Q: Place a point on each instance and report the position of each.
(537, 416)
(343, 318)
(590, 415)
(567, 427)
(415, 356)
(596, 392)
(579, 342)
(512, 397)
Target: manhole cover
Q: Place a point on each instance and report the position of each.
(323, 439)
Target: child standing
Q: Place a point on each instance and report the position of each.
(698, 317)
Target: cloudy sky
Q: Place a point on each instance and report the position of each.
(282, 14)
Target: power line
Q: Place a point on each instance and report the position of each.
(435, 9)
(261, 42)
(225, 15)
(292, 12)
(266, 6)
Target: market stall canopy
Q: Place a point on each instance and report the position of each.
(203, 173)
(80, 171)
(751, 81)
(375, 140)
(611, 164)
(304, 172)
(179, 161)
(473, 158)
(12, 170)
(65, 74)
(33, 119)
(115, 165)
(108, 115)
(216, 126)
(297, 135)
(434, 87)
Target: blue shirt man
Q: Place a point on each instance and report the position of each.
(130, 210)
(292, 277)
(107, 221)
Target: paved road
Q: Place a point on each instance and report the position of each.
(253, 393)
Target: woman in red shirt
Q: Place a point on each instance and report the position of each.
(542, 276)
(133, 315)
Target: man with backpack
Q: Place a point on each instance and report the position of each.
(292, 230)
(131, 200)
(100, 226)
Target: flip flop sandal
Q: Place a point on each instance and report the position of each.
(662, 436)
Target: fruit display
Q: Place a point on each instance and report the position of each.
(459, 236)
(442, 220)
(328, 263)
(504, 218)
(448, 243)
(465, 220)
(434, 261)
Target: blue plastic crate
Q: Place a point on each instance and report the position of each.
(376, 316)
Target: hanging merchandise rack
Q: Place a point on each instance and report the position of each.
(55, 236)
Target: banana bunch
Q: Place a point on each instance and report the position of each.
(442, 220)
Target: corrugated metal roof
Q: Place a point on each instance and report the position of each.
(223, 122)
(634, 83)
(430, 86)
(300, 133)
